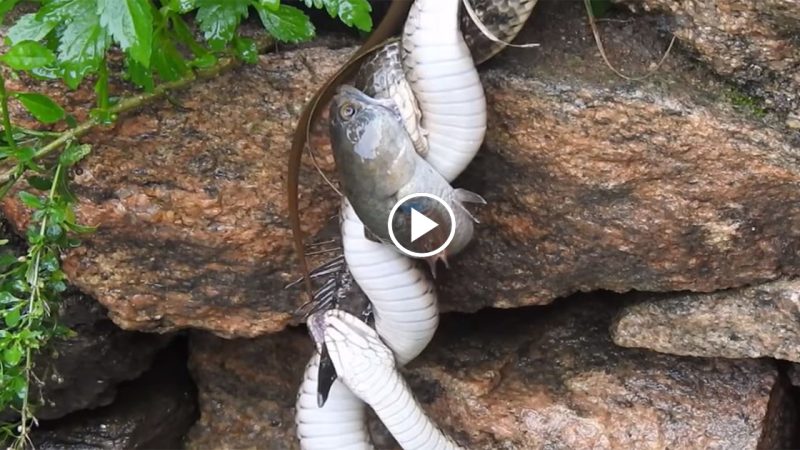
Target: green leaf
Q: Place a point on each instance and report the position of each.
(82, 229)
(350, 12)
(6, 259)
(39, 182)
(246, 49)
(30, 200)
(83, 44)
(6, 6)
(12, 355)
(24, 154)
(182, 6)
(219, 19)
(12, 317)
(204, 61)
(29, 28)
(42, 107)
(287, 23)
(129, 22)
(167, 60)
(73, 154)
(28, 55)
(273, 5)
(140, 75)
(600, 7)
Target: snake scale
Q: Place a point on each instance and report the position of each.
(430, 76)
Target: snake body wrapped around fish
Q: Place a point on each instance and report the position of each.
(414, 120)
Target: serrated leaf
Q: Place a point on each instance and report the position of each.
(74, 153)
(219, 19)
(42, 107)
(28, 55)
(30, 200)
(83, 44)
(287, 23)
(63, 11)
(130, 23)
(352, 12)
(29, 28)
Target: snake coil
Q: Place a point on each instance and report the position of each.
(433, 80)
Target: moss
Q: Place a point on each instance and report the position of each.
(744, 102)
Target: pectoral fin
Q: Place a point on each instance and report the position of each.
(462, 196)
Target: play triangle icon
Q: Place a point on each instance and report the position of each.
(420, 225)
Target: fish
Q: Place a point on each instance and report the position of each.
(390, 25)
(378, 165)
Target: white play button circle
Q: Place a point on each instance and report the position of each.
(421, 225)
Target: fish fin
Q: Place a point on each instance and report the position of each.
(433, 262)
(465, 196)
(462, 196)
(326, 375)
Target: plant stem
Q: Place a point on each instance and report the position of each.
(6, 117)
(129, 104)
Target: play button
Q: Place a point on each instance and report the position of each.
(421, 225)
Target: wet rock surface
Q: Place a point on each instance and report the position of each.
(750, 322)
(83, 370)
(593, 182)
(755, 44)
(152, 412)
(534, 378)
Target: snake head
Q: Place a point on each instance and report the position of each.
(360, 357)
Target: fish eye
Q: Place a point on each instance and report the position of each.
(347, 111)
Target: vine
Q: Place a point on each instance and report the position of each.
(163, 45)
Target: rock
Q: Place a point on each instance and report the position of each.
(593, 183)
(83, 371)
(154, 411)
(752, 43)
(752, 322)
(247, 390)
(793, 373)
(527, 379)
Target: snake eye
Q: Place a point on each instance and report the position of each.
(347, 111)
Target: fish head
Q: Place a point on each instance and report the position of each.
(372, 148)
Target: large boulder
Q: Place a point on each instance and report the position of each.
(530, 379)
(752, 322)
(754, 44)
(593, 182)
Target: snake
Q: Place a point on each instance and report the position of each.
(431, 76)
